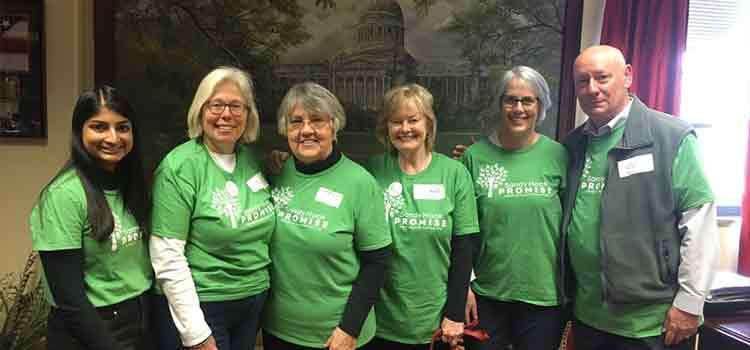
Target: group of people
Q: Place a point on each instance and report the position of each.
(614, 230)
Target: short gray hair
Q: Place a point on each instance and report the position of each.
(313, 98)
(536, 82)
(207, 88)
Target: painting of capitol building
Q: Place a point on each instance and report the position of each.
(379, 58)
(358, 49)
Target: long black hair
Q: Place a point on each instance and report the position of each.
(128, 178)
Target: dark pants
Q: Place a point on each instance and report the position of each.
(524, 326)
(271, 342)
(127, 321)
(589, 338)
(383, 344)
(233, 323)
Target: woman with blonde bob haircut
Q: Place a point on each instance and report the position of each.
(432, 214)
(394, 99)
(212, 223)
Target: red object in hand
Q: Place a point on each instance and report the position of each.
(470, 330)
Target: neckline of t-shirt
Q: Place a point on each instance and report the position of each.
(419, 174)
(216, 158)
(320, 173)
(525, 149)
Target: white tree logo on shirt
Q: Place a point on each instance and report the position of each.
(491, 177)
(225, 202)
(281, 196)
(116, 232)
(393, 200)
(587, 168)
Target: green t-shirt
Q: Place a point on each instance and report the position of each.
(518, 195)
(115, 269)
(691, 189)
(323, 220)
(423, 211)
(226, 219)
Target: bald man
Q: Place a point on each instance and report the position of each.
(639, 224)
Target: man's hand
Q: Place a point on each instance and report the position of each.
(209, 344)
(458, 151)
(452, 332)
(679, 326)
(340, 340)
(471, 307)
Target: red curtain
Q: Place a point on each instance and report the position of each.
(652, 35)
(743, 263)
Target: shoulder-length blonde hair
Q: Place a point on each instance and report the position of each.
(207, 88)
(394, 99)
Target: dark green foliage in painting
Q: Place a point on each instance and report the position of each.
(500, 34)
(166, 47)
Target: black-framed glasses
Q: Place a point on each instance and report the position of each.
(218, 107)
(526, 101)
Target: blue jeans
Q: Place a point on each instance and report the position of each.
(589, 338)
(524, 326)
(233, 323)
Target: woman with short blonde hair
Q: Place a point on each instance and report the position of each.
(432, 214)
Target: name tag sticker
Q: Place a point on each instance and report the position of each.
(257, 182)
(636, 165)
(429, 192)
(328, 197)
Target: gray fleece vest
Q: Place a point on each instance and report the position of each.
(639, 236)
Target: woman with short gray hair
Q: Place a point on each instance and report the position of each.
(331, 244)
(519, 176)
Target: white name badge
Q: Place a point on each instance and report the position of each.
(636, 165)
(328, 197)
(429, 192)
(257, 182)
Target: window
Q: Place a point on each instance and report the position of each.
(716, 93)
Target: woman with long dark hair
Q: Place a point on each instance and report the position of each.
(90, 228)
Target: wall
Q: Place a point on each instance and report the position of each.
(28, 165)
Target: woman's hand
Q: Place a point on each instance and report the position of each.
(471, 307)
(340, 340)
(452, 331)
(275, 161)
(209, 344)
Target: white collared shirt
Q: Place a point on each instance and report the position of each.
(590, 128)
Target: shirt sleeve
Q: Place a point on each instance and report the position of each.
(699, 245)
(173, 202)
(59, 220)
(173, 275)
(465, 215)
(370, 229)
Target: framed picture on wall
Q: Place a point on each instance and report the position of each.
(22, 102)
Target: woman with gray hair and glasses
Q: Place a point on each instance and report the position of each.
(212, 223)
(331, 244)
(519, 176)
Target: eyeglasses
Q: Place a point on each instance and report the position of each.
(511, 101)
(218, 107)
(316, 122)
